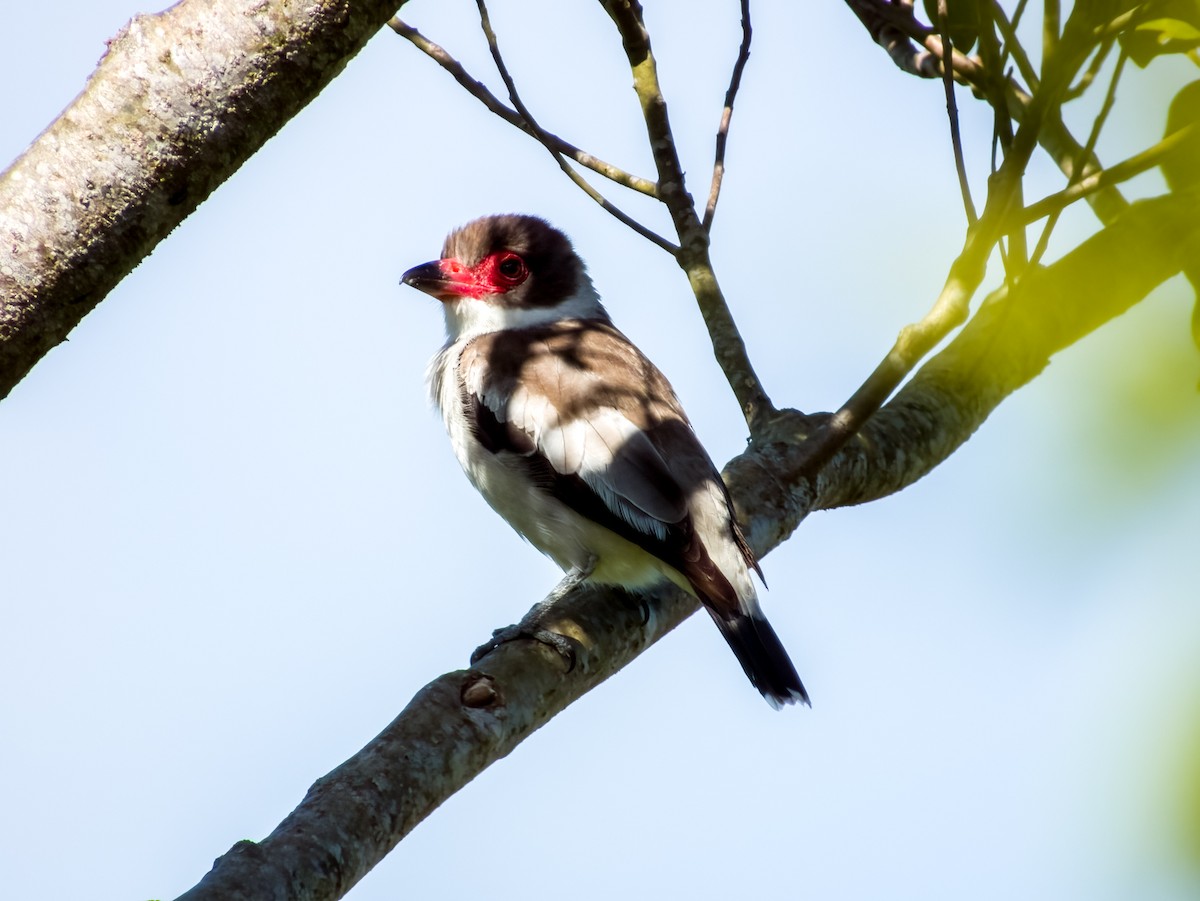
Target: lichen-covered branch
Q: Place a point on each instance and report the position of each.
(180, 100)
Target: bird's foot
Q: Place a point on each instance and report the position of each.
(642, 603)
(531, 625)
(527, 629)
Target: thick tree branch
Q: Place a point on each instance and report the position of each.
(463, 721)
(180, 100)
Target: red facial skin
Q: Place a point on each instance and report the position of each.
(497, 273)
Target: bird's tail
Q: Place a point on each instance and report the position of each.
(762, 656)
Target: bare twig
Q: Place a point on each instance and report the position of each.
(996, 91)
(952, 306)
(1013, 47)
(1120, 23)
(538, 133)
(1051, 28)
(479, 91)
(880, 16)
(693, 257)
(1018, 12)
(960, 165)
(966, 273)
(1122, 171)
(735, 82)
(1087, 151)
(1078, 89)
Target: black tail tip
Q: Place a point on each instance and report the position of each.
(764, 659)
(796, 695)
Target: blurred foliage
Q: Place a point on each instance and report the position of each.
(1188, 811)
(1166, 26)
(1143, 414)
(1181, 169)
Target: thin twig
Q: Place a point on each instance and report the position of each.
(693, 257)
(1056, 140)
(1014, 256)
(479, 91)
(735, 82)
(540, 134)
(1085, 81)
(1122, 171)
(1013, 46)
(960, 165)
(1089, 148)
(1018, 12)
(1051, 29)
(953, 304)
(1120, 23)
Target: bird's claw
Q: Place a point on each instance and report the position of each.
(552, 640)
(644, 610)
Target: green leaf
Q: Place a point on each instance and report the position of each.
(1165, 26)
(1181, 167)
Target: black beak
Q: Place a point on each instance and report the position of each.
(427, 277)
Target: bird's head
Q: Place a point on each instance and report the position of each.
(508, 271)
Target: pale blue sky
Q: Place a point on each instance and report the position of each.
(235, 541)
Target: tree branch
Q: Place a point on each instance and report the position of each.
(463, 721)
(693, 257)
(952, 306)
(479, 91)
(132, 156)
(960, 166)
(1013, 46)
(895, 23)
(579, 180)
(1004, 346)
(1086, 152)
(1113, 175)
(735, 82)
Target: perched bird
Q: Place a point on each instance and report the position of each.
(576, 439)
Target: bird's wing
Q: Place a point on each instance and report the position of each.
(598, 426)
(542, 398)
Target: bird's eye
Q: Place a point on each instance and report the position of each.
(510, 270)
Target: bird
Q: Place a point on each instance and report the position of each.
(575, 438)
